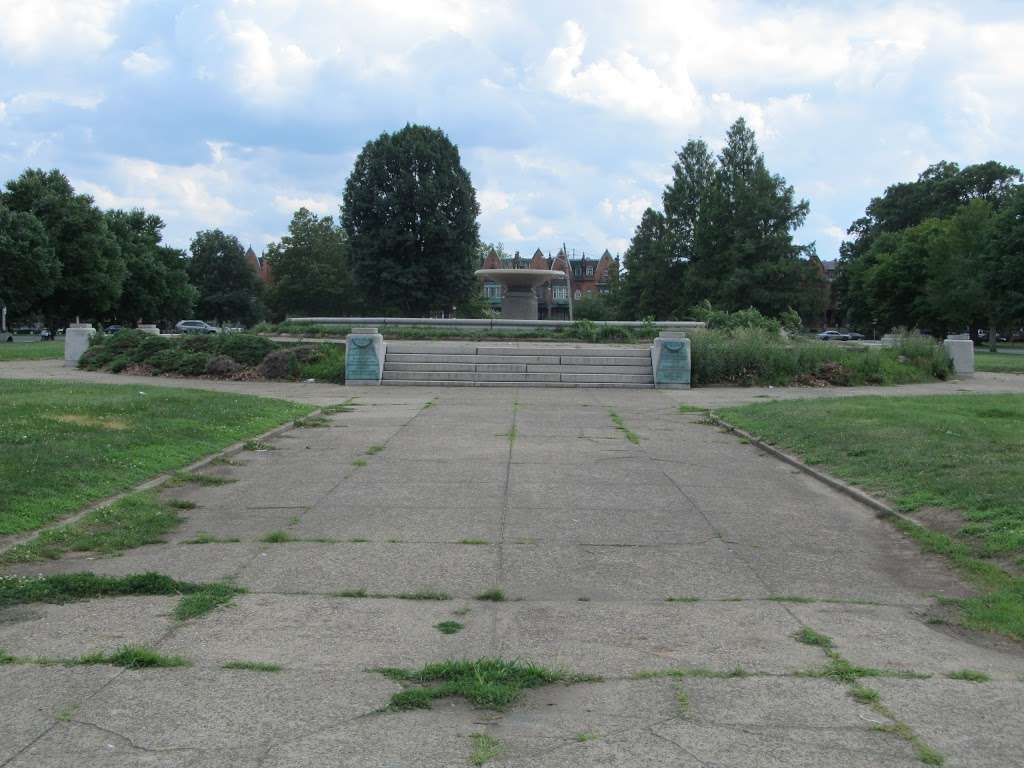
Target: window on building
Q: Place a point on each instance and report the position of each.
(578, 293)
(560, 291)
(590, 271)
(492, 290)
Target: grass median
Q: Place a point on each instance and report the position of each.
(952, 461)
(1000, 362)
(32, 350)
(64, 445)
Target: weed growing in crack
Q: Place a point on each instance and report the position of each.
(970, 675)
(485, 748)
(492, 595)
(808, 636)
(132, 657)
(633, 437)
(204, 600)
(277, 537)
(252, 666)
(449, 627)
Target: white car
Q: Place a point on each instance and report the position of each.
(195, 326)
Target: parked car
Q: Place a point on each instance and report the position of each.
(195, 326)
(833, 336)
(114, 328)
(854, 336)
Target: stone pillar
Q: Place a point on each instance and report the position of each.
(76, 341)
(519, 304)
(670, 358)
(364, 357)
(149, 328)
(961, 352)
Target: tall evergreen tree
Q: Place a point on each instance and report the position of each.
(410, 213)
(310, 268)
(651, 285)
(229, 289)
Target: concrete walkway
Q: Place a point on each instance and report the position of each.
(587, 534)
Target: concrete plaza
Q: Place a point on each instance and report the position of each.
(588, 535)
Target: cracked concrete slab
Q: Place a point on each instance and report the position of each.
(587, 535)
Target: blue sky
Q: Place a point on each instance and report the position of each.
(234, 113)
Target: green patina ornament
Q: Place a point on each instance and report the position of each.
(361, 361)
(674, 362)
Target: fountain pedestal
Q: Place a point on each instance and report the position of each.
(520, 301)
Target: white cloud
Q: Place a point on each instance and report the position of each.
(32, 29)
(141, 63)
(492, 201)
(622, 83)
(320, 204)
(40, 101)
(836, 233)
(511, 232)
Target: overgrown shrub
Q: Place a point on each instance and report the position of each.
(222, 365)
(327, 363)
(721, 320)
(245, 348)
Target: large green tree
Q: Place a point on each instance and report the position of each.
(92, 270)
(156, 287)
(651, 286)
(310, 269)
(410, 213)
(229, 289)
(29, 269)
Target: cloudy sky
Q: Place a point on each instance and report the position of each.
(233, 113)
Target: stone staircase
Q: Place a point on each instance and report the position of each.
(496, 364)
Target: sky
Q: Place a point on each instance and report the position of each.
(568, 116)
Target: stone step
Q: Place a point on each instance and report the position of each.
(616, 369)
(403, 357)
(594, 351)
(552, 384)
(390, 375)
(390, 365)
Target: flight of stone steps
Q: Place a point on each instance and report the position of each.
(496, 364)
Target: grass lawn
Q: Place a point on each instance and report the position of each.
(998, 363)
(32, 350)
(954, 452)
(64, 445)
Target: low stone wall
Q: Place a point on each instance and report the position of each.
(488, 322)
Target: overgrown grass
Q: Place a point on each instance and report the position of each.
(449, 627)
(492, 595)
(751, 356)
(488, 683)
(205, 599)
(64, 445)
(582, 330)
(952, 452)
(808, 636)
(970, 675)
(276, 537)
(485, 748)
(31, 350)
(133, 521)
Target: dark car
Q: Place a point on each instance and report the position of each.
(833, 336)
(114, 328)
(854, 336)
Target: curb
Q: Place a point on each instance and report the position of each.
(150, 484)
(882, 510)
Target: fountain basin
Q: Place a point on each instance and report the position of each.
(519, 301)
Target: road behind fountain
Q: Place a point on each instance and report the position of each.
(686, 550)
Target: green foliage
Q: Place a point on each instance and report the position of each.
(492, 595)
(132, 657)
(722, 320)
(310, 268)
(489, 683)
(203, 600)
(29, 268)
(753, 356)
(808, 636)
(92, 269)
(247, 349)
(485, 748)
(410, 213)
(229, 289)
(448, 627)
(70, 587)
(156, 286)
(252, 666)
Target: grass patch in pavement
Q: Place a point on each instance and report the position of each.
(633, 437)
(252, 666)
(277, 537)
(449, 627)
(64, 445)
(998, 363)
(808, 636)
(133, 521)
(701, 672)
(373, 450)
(684, 408)
(958, 453)
(69, 587)
(492, 595)
(132, 657)
(359, 463)
(485, 748)
(207, 538)
(30, 350)
(488, 683)
(970, 675)
(205, 599)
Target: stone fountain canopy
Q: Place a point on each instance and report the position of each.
(520, 302)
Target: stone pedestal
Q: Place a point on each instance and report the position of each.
(76, 341)
(519, 304)
(961, 352)
(364, 357)
(670, 358)
(149, 328)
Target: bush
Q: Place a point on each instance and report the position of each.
(326, 364)
(721, 320)
(245, 348)
(222, 365)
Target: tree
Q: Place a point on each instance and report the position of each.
(92, 270)
(1005, 266)
(410, 213)
(651, 285)
(156, 286)
(29, 269)
(229, 289)
(310, 268)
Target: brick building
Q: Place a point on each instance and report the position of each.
(259, 264)
(584, 277)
